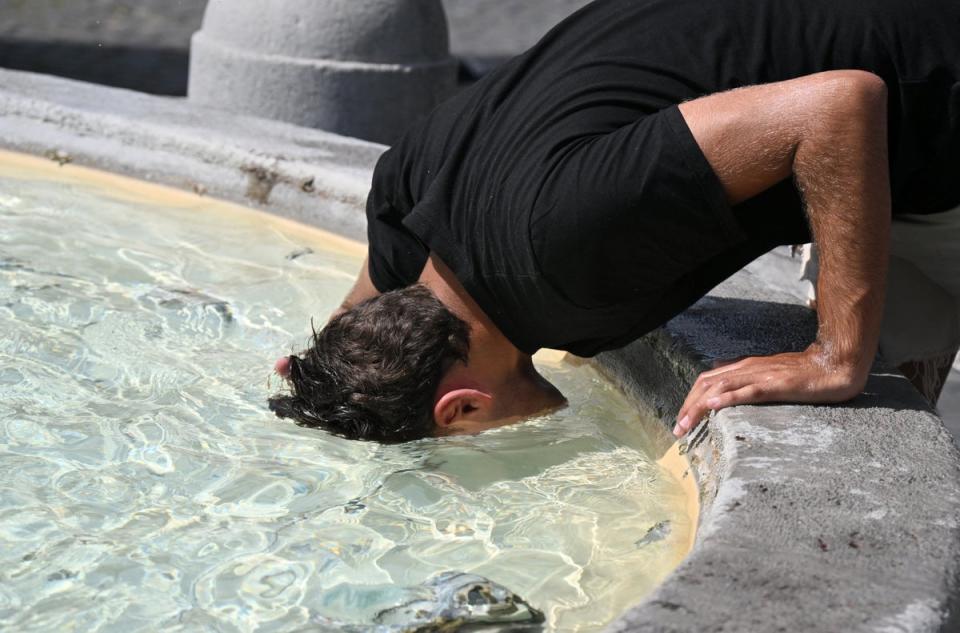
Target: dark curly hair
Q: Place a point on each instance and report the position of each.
(372, 372)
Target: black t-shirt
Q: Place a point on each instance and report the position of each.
(568, 195)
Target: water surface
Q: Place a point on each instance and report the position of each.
(146, 485)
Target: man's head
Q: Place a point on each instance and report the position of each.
(398, 367)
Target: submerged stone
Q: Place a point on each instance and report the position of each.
(452, 601)
(457, 600)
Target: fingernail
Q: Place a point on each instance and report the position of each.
(712, 402)
(684, 422)
(677, 431)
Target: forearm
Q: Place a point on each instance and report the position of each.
(828, 132)
(362, 290)
(841, 168)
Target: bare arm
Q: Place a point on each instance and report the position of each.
(362, 290)
(829, 132)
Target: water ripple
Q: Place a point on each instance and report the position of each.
(147, 487)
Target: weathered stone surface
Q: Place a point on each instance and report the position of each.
(313, 176)
(362, 68)
(815, 518)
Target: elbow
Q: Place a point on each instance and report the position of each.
(846, 107)
(856, 90)
(867, 88)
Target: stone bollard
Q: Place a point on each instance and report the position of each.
(362, 68)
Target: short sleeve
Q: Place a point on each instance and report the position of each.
(396, 256)
(625, 214)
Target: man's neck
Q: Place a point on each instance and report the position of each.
(488, 346)
(495, 367)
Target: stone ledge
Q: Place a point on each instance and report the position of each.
(813, 518)
(308, 175)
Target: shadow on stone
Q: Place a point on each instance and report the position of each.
(474, 67)
(748, 327)
(155, 70)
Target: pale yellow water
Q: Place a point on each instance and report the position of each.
(145, 484)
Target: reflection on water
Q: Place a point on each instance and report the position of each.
(146, 485)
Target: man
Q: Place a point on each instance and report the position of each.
(590, 189)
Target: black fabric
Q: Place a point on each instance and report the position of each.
(569, 197)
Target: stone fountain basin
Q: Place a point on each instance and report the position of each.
(818, 518)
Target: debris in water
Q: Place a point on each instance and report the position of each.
(353, 506)
(260, 182)
(177, 298)
(657, 532)
(300, 252)
(59, 156)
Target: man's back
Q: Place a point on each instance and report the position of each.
(568, 196)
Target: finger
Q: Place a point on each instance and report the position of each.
(694, 413)
(723, 366)
(726, 362)
(750, 394)
(688, 423)
(712, 398)
(748, 365)
(704, 382)
(694, 396)
(688, 416)
(695, 408)
(709, 383)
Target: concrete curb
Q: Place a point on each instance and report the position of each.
(309, 175)
(843, 518)
(345, 96)
(813, 518)
(364, 68)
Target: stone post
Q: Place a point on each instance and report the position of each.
(362, 68)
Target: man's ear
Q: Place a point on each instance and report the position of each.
(460, 404)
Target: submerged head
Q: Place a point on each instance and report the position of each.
(400, 367)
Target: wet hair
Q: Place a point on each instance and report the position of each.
(373, 371)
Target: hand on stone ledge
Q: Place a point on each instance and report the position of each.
(807, 376)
